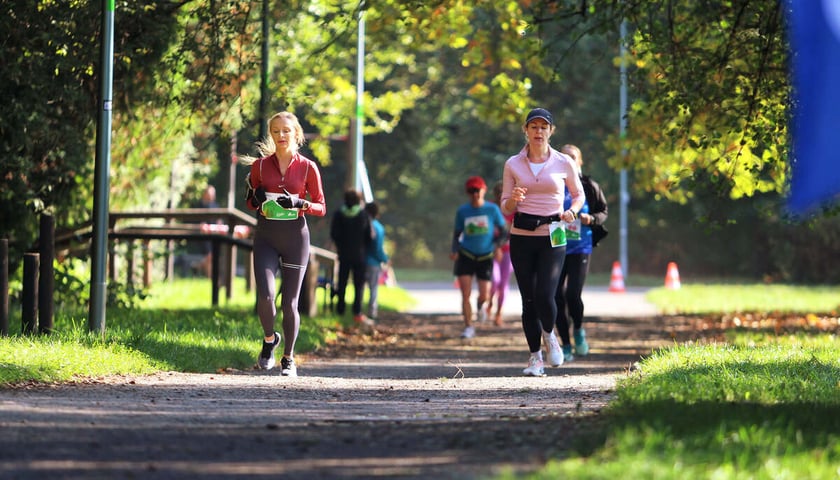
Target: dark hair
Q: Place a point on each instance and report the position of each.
(372, 209)
(352, 197)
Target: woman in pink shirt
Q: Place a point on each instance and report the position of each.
(533, 188)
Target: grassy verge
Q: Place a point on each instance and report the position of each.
(720, 298)
(757, 406)
(173, 330)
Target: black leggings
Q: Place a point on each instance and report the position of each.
(280, 245)
(537, 267)
(569, 290)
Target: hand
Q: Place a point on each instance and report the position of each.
(287, 201)
(569, 216)
(259, 195)
(517, 194)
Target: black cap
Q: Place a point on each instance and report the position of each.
(540, 113)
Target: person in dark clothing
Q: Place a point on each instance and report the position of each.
(352, 233)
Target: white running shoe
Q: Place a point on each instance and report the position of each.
(481, 315)
(266, 358)
(555, 353)
(469, 332)
(287, 367)
(535, 367)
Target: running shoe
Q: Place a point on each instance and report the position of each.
(266, 359)
(287, 367)
(468, 332)
(364, 321)
(567, 353)
(555, 354)
(481, 315)
(535, 367)
(581, 347)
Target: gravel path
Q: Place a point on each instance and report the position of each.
(409, 400)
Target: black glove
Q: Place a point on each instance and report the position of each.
(259, 195)
(286, 201)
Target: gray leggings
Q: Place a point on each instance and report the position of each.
(280, 245)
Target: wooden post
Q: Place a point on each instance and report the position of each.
(29, 297)
(112, 261)
(230, 250)
(4, 287)
(129, 256)
(214, 271)
(249, 270)
(307, 301)
(46, 282)
(147, 263)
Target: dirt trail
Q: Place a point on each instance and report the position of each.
(410, 400)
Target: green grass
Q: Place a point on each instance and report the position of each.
(757, 407)
(719, 298)
(174, 330)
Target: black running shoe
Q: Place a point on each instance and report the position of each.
(266, 359)
(287, 367)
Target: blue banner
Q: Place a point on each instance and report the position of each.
(815, 128)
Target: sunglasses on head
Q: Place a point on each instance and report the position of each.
(473, 190)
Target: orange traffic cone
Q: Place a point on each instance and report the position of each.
(616, 279)
(672, 277)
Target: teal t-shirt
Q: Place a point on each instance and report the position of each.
(476, 227)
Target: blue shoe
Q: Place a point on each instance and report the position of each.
(567, 353)
(581, 347)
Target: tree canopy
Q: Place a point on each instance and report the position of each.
(447, 85)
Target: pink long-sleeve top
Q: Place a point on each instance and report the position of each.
(546, 190)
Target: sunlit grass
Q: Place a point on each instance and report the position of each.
(746, 298)
(174, 329)
(758, 407)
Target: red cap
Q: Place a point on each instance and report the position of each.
(475, 182)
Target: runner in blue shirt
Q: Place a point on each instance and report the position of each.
(479, 232)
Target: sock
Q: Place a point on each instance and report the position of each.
(538, 355)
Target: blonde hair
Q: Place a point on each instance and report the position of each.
(574, 152)
(266, 146)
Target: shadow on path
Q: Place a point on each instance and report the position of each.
(408, 400)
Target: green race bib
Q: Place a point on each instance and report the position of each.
(273, 211)
(557, 231)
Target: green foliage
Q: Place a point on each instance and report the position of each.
(447, 84)
(711, 96)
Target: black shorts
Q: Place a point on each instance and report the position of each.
(468, 264)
